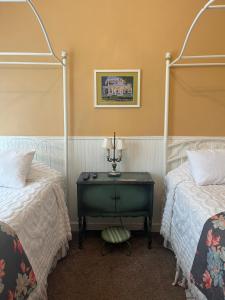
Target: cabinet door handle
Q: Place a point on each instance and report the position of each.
(115, 197)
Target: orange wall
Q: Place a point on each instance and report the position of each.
(119, 34)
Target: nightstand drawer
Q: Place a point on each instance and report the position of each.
(132, 198)
(98, 199)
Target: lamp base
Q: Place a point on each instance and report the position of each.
(114, 174)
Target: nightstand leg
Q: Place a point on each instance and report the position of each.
(80, 233)
(150, 233)
(146, 225)
(84, 224)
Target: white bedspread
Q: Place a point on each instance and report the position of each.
(39, 216)
(187, 208)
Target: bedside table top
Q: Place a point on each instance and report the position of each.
(124, 178)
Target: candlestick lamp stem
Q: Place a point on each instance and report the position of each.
(114, 160)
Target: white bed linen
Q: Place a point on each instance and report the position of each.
(39, 216)
(188, 206)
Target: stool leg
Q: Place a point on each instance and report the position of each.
(104, 248)
(129, 248)
(103, 252)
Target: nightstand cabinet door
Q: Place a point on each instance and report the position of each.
(128, 195)
(133, 199)
(96, 200)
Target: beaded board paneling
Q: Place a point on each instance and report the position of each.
(86, 154)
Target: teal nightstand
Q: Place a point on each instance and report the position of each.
(130, 195)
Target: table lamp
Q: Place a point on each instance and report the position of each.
(112, 146)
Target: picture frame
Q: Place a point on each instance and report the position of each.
(117, 88)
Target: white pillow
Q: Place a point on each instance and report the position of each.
(207, 166)
(14, 168)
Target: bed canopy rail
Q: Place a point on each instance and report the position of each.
(179, 62)
(51, 52)
(55, 61)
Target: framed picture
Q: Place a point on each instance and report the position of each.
(117, 88)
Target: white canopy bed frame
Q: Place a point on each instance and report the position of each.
(53, 60)
(178, 148)
(179, 62)
(42, 200)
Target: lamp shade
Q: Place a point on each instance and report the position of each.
(120, 145)
(107, 143)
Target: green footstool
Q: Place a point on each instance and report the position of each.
(115, 235)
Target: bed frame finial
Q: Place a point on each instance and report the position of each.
(63, 54)
(168, 56)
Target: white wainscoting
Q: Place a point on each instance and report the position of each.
(86, 154)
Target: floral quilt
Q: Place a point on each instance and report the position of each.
(17, 279)
(208, 269)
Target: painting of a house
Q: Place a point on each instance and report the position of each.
(117, 88)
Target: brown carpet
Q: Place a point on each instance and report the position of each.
(87, 275)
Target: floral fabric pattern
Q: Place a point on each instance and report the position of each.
(208, 269)
(17, 279)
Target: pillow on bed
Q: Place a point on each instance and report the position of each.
(14, 168)
(207, 166)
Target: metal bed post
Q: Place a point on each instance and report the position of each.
(65, 117)
(166, 112)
